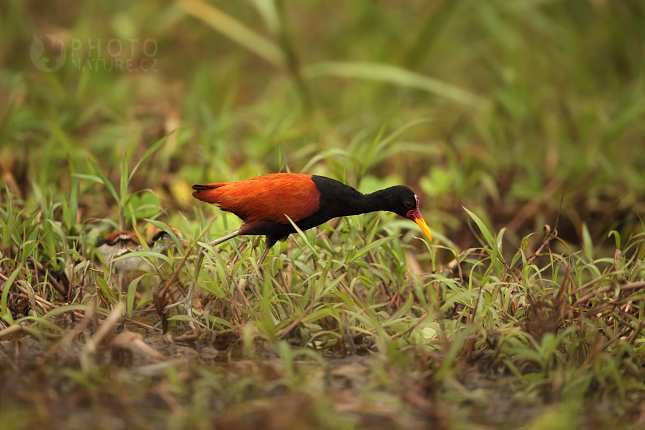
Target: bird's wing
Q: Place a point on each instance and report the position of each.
(266, 198)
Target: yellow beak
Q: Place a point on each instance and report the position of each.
(424, 227)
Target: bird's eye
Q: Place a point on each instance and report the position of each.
(409, 204)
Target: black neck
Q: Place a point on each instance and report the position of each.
(338, 199)
(363, 203)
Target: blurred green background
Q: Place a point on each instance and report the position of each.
(500, 106)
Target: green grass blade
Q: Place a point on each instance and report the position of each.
(105, 288)
(143, 254)
(304, 238)
(587, 244)
(73, 201)
(104, 180)
(123, 182)
(396, 76)
(235, 30)
(269, 13)
(40, 320)
(132, 290)
(92, 178)
(187, 318)
(371, 246)
(488, 237)
(148, 153)
(69, 308)
(6, 315)
(616, 237)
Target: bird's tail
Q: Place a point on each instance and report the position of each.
(207, 192)
(204, 187)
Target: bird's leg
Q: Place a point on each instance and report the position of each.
(270, 241)
(188, 300)
(264, 254)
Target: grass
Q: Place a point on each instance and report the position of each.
(519, 124)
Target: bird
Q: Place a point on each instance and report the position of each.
(161, 240)
(267, 205)
(124, 242)
(265, 202)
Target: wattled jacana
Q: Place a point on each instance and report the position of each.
(308, 200)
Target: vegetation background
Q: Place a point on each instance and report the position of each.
(527, 113)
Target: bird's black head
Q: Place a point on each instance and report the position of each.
(404, 202)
